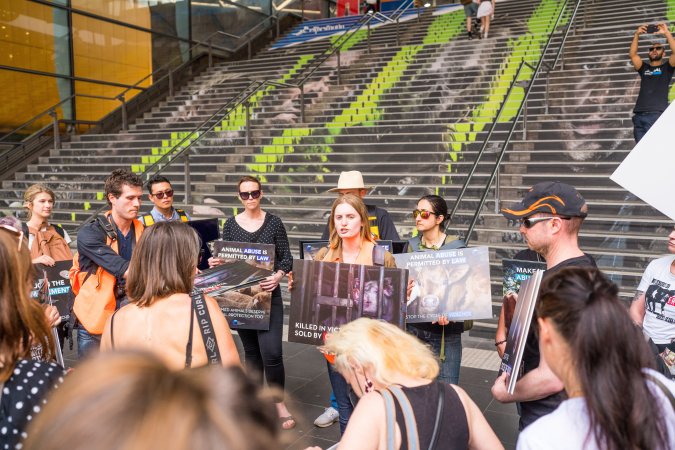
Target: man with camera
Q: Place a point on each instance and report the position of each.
(104, 249)
(655, 78)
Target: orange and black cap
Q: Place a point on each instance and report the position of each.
(550, 197)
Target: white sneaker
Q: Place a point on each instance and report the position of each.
(328, 418)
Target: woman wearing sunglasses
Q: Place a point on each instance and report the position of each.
(23, 326)
(430, 220)
(262, 348)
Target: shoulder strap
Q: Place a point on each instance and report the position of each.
(414, 243)
(182, 215)
(188, 347)
(663, 388)
(147, 220)
(408, 416)
(390, 415)
(59, 229)
(24, 228)
(206, 328)
(112, 328)
(439, 414)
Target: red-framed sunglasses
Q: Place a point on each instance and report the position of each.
(422, 213)
(160, 195)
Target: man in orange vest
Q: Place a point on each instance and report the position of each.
(105, 246)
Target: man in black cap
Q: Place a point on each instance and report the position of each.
(655, 77)
(550, 217)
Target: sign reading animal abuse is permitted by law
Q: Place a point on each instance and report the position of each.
(454, 283)
(235, 283)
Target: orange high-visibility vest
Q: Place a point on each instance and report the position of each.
(95, 293)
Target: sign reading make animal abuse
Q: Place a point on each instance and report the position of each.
(235, 283)
(327, 295)
(454, 283)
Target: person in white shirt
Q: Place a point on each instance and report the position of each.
(615, 400)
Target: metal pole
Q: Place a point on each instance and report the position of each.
(125, 124)
(277, 21)
(338, 68)
(525, 121)
(249, 48)
(302, 103)
(57, 132)
(368, 35)
(418, 14)
(302, 15)
(546, 96)
(170, 83)
(188, 183)
(497, 190)
(248, 123)
(398, 39)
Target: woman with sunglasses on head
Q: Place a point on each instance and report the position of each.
(262, 348)
(378, 359)
(23, 326)
(615, 399)
(431, 217)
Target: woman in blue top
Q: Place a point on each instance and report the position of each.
(430, 217)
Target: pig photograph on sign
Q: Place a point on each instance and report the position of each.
(235, 284)
(454, 283)
(327, 295)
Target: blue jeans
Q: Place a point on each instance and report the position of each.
(87, 343)
(642, 122)
(341, 392)
(453, 352)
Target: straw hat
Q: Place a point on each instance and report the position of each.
(350, 180)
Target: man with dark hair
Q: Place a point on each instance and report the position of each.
(104, 249)
(655, 78)
(161, 195)
(550, 216)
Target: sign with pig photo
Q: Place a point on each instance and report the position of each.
(235, 283)
(454, 283)
(59, 292)
(326, 295)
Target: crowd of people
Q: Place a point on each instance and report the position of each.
(160, 361)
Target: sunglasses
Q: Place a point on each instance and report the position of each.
(651, 49)
(530, 222)
(160, 195)
(423, 213)
(253, 194)
(13, 230)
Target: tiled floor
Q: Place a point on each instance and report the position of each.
(308, 389)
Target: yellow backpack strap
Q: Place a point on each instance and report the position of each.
(148, 220)
(183, 216)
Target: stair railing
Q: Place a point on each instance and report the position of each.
(523, 104)
(183, 147)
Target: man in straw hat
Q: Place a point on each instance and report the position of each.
(381, 224)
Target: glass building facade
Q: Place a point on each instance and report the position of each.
(52, 49)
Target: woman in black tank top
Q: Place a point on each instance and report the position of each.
(402, 406)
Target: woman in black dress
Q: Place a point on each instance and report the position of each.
(262, 348)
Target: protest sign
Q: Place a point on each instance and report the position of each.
(516, 271)
(520, 327)
(235, 283)
(310, 248)
(327, 295)
(454, 283)
(59, 287)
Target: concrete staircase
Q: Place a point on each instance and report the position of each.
(411, 117)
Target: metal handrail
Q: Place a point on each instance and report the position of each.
(514, 122)
(186, 143)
